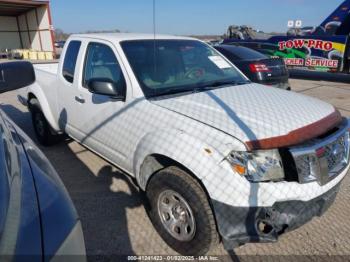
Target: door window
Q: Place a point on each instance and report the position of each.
(101, 63)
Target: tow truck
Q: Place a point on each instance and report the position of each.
(324, 48)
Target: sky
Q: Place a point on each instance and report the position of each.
(186, 17)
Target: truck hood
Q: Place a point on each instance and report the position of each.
(261, 117)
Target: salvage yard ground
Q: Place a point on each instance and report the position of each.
(112, 208)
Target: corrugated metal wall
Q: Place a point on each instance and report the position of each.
(9, 36)
(30, 30)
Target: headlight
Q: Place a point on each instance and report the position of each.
(258, 166)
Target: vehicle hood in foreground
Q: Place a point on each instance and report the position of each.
(261, 117)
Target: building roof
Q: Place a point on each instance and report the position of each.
(17, 7)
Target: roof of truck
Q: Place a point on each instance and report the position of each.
(129, 36)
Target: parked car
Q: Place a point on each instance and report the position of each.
(60, 44)
(38, 221)
(256, 66)
(219, 157)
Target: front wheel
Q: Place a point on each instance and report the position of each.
(180, 212)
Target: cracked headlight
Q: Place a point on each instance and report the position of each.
(258, 166)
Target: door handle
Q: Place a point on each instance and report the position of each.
(80, 99)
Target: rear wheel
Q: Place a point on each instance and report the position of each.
(180, 212)
(44, 133)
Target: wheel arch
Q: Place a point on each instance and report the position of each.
(31, 96)
(36, 93)
(156, 162)
(176, 147)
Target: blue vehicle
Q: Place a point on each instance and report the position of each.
(38, 221)
(321, 48)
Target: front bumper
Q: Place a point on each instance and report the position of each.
(280, 83)
(241, 225)
(284, 86)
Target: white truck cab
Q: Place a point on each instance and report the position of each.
(220, 158)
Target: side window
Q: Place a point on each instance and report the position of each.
(101, 63)
(70, 60)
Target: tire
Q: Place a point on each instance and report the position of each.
(43, 131)
(194, 240)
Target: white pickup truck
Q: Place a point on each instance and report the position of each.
(220, 158)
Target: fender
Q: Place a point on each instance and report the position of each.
(203, 160)
(47, 110)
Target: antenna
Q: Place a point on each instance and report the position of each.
(154, 37)
(154, 19)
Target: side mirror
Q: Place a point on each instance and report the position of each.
(15, 75)
(106, 87)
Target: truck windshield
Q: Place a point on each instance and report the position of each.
(165, 67)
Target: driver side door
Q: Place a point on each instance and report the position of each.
(99, 115)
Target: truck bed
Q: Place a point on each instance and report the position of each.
(50, 68)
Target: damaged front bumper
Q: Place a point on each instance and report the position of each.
(271, 209)
(241, 225)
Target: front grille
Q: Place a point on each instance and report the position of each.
(323, 159)
(336, 153)
(305, 167)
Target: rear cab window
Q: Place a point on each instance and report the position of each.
(70, 60)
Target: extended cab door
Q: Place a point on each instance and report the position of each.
(68, 93)
(100, 117)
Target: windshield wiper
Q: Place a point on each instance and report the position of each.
(198, 88)
(171, 91)
(220, 84)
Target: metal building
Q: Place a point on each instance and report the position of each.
(26, 24)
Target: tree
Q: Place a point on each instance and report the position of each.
(60, 35)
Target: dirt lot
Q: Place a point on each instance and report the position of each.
(112, 208)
